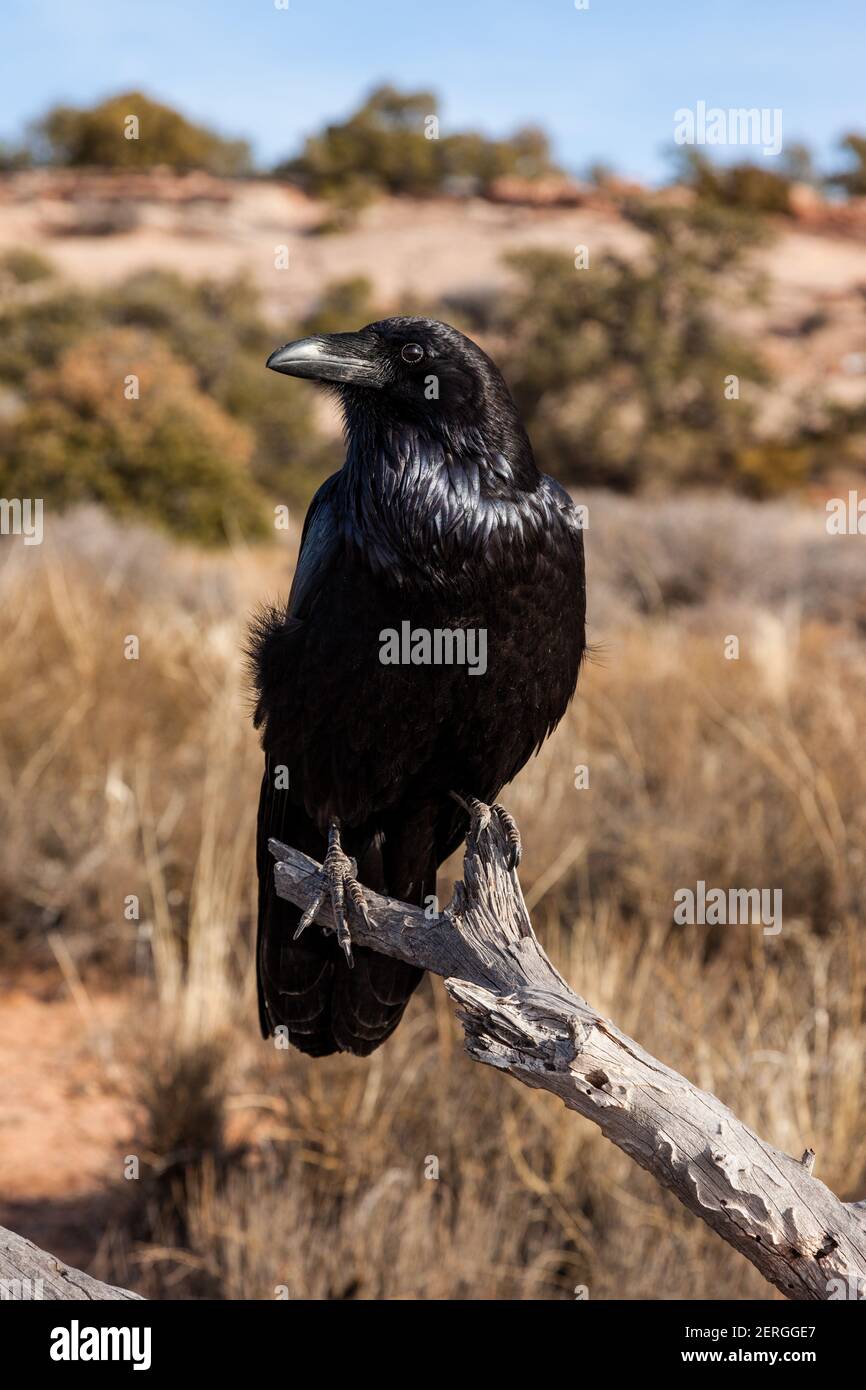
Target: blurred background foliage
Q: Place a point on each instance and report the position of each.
(211, 439)
(389, 146)
(744, 185)
(620, 369)
(177, 458)
(88, 136)
(852, 179)
(392, 144)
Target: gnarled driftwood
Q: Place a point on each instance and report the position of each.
(520, 1015)
(28, 1273)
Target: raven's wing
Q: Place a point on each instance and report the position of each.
(320, 540)
(307, 986)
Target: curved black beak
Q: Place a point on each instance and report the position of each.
(345, 358)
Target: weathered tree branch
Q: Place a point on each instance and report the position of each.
(28, 1273)
(520, 1015)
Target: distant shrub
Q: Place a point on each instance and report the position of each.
(34, 331)
(344, 304)
(772, 468)
(853, 178)
(173, 455)
(620, 370)
(14, 157)
(744, 185)
(70, 135)
(384, 148)
(24, 266)
(215, 329)
(468, 155)
(206, 322)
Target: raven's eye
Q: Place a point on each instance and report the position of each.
(411, 352)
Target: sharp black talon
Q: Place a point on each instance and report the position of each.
(338, 879)
(357, 899)
(478, 812)
(512, 835)
(309, 916)
(480, 816)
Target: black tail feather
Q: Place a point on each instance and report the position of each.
(306, 986)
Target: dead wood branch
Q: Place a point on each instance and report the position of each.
(520, 1016)
(28, 1273)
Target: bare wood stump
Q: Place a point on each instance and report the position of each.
(520, 1016)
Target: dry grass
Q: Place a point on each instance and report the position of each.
(265, 1171)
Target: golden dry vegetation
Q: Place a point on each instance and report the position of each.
(262, 1170)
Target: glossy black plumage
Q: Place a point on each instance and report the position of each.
(438, 518)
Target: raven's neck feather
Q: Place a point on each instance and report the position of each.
(438, 510)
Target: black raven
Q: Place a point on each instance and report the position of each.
(432, 639)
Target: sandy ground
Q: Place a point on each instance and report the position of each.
(427, 248)
(62, 1116)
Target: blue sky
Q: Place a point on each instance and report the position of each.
(605, 82)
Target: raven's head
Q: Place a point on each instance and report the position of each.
(416, 372)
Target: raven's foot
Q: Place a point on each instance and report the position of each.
(480, 816)
(339, 882)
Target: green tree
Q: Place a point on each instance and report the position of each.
(384, 147)
(744, 186)
(853, 178)
(342, 305)
(24, 266)
(171, 455)
(620, 369)
(97, 135)
(14, 157)
(215, 342)
(216, 326)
